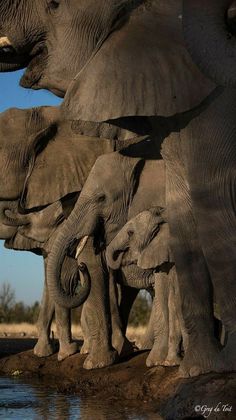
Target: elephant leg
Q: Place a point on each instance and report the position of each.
(158, 354)
(119, 340)
(63, 321)
(85, 330)
(98, 311)
(217, 230)
(43, 347)
(202, 353)
(175, 335)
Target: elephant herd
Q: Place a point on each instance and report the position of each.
(130, 183)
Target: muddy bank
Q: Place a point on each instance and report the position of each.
(160, 389)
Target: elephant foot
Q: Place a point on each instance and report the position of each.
(201, 361)
(43, 349)
(172, 360)
(100, 359)
(157, 356)
(229, 352)
(85, 347)
(67, 350)
(144, 344)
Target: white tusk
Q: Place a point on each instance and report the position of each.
(5, 42)
(81, 246)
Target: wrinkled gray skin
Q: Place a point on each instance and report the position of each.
(144, 242)
(30, 140)
(180, 87)
(200, 163)
(101, 210)
(195, 142)
(103, 41)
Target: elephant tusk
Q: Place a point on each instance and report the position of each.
(5, 42)
(81, 246)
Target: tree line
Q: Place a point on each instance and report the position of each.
(15, 312)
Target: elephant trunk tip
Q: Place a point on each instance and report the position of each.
(114, 258)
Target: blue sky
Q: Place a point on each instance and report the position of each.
(23, 270)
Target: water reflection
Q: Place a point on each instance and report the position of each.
(20, 400)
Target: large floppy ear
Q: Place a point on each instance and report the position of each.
(157, 251)
(62, 168)
(142, 68)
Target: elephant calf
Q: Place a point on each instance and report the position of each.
(143, 243)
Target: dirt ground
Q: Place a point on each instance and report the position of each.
(160, 388)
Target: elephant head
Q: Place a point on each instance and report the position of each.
(210, 33)
(143, 240)
(23, 133)
(115, 59)
(54, 39)
(99, 212)
(29, 141)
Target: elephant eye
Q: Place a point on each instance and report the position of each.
(53, 4)
(101, 198)
(130, 233)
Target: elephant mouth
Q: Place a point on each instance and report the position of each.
(35, 68)
(35, 76)
(33, 59)
(10, 60)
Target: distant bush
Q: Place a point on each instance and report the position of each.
(18, 312)
(141, 309)
(15, 312)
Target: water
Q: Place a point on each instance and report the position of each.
(34, 400)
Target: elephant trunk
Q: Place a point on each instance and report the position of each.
(116, 249)
(65, 238)
(210, 38)
(114, 257)
(9, 215)
(6, 67)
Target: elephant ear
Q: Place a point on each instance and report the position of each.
(141, 69)
(61, 168)
(157, 252)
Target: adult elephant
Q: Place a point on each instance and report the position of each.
(30, 140)
(77, 46)
(201, 163)
(144, 242)
(101, 210)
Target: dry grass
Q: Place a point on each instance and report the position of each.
(30, 330)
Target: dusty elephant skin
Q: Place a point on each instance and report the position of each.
(202, 224)
(30, 215)
(144, 242)
(109, 37)
(101, 210)
(160, 390)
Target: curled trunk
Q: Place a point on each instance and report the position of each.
(64, 239)
(211, 39)
(10, 217)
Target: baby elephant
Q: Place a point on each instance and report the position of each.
(144, 242)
